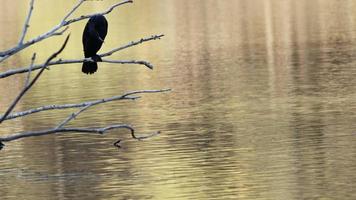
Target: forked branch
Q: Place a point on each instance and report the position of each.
(30, 84)
(27, 23)
(126, 96)
(68, 61)
(78, 130)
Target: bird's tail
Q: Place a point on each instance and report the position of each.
(89, 67)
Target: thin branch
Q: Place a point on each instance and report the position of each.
(61, 130)
(143, 137)
(102, 130)
(73, 10)
(27, 23)
(133, 43)
(60, 61)
(126, 96)
(30, 69)
(28, 86)
(107, 11)
(62, 31)
(73, 116)
(138, 62)
(63, 62)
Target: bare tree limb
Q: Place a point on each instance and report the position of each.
(30, 69)
(28, 86)
(60, 61)
(27, 23)
(126, 96)
(107, 11)
(80, 130)
(60, 128)
(61, 32)
(133, 43)
(64, 22)
(72, 116)
(138, 62)
(72, 11)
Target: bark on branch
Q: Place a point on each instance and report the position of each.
(78, 130)
(30, 84)
(27, 23)
(68, 61)
(126, 96)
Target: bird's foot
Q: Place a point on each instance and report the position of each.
(96, 58)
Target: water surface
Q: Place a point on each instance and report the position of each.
(263, 103)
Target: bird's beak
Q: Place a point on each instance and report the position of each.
(101, 39)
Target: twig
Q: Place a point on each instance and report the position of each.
(62, 31)
(27, 23)
(61, 130)
(60, 61)
(72, 11)
(107, 11)
(30, 69)
(133, 43)
(63, 62)
(28, 86)
(73, 115)
(126, 96)
(102, 130)
(139, 62)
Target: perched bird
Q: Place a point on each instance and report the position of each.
(93, 37)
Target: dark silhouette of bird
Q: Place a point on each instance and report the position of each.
(93, 37)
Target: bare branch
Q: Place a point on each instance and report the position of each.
(30, 69)
(60, 61)
(139, 62)
(126, 96)
(73, 115)
(61, 130)
(102, 130)
(133, 43)
(62, 31)
(27, 23)
(111, 8)
(73, 10)
(28, 86)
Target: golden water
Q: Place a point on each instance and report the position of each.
(263, 103)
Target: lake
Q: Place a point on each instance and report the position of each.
(263, 103)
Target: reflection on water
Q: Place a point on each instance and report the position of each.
(263, 105)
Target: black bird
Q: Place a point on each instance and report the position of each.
(93, 37)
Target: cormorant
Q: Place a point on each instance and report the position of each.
(93, 37)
